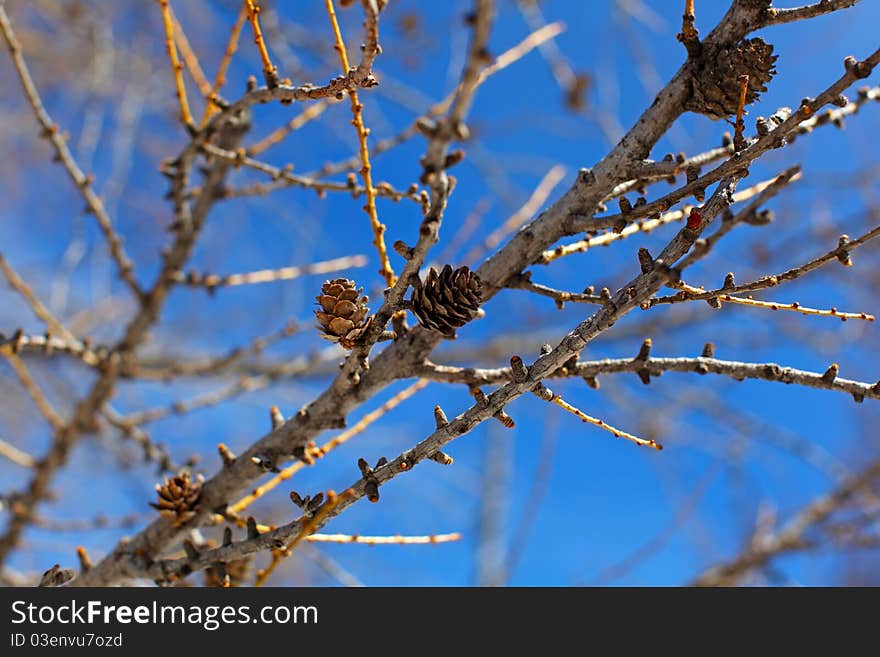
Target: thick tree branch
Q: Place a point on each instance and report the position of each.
(655, 367)
(135, 558)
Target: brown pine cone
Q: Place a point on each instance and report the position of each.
(342, 318)
(239, 571)
(448, 300)
(178, 497)
(716, 87)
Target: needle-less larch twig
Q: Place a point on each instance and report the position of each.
(431, 539)
(17, 456)
(529, 208)
(342, 438)
(505, 59)
(40, 310)
(726, 297)
(213, 281)
(308, 528)
(51, 132)
(36, 394)
(366, 171)
(190, 59)
(220, 78)
(596, 422)
(310, 113)
(270, 71)
(176, 66)
(645, 226)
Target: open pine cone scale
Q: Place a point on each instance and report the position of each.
(344, 315)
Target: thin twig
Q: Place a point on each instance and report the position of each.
(725, 297)
(190, 59)
(596, 422)
(43, 313)
(176, 66)
(656, 366)
(17, 456)
(220, 78)
(213, 281)
(50, 131)
(538, 197)
(319, 452)
(366, 171)
(841, 254)
(36, 394)
(270, 71)
(505, 59)
(431, 539)
(308, 527)
(310, 113)
(284, 178)
(779, 16)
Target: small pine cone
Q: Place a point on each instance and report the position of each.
(447, 300)
(178, 497)
(342, 317)
(716, 87)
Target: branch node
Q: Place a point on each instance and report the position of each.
(276, 418)
(252, 531)
(404, 251)
(518, 369)
(442, 458)
(226, 454)
(85, 563)
(843, 256)
(543, 392)
(440, 418)
(646, 261)
(831, 373)
(265, 463)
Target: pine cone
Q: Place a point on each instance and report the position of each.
(178, 497)
(447, 300)
(716, 88)
(342, 317)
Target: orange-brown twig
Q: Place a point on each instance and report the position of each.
(527, 211)
(689, 34)
(309, 113)
(687, 28)
(176, 65)
(220, 78)
(357, 111)
(559, 401)
(505, 59)
(773, 305)
(35, 304)
(307, 528)
(190, 59)
(40, 400)
(645, 226)
(270, 71)
(16, 455)
(357, 428)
